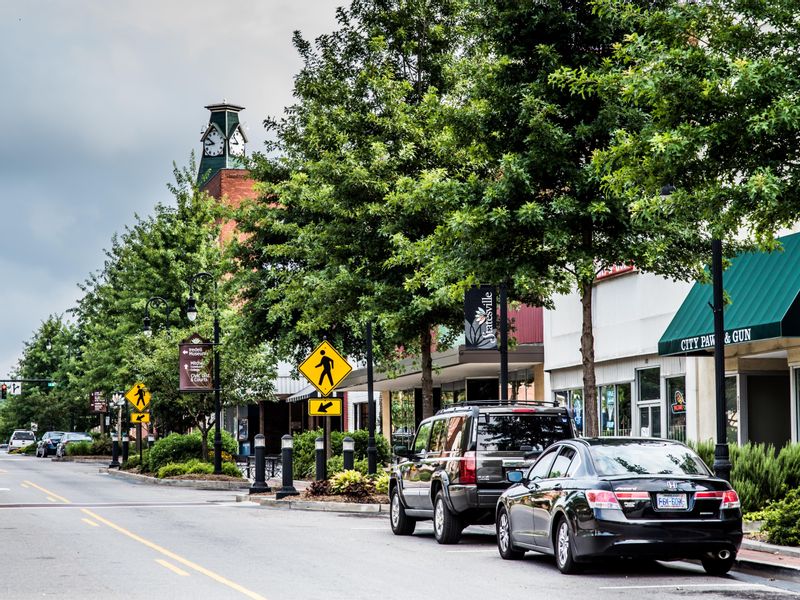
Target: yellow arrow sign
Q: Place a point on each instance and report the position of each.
(325, 368)
(325, 407)
(139, 396)
(140, 417)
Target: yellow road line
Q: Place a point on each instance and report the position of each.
(172, 567)
(46, 491)
(3, 471)
(89, 522)
(185, 562)
(25, 486)
(51, 499)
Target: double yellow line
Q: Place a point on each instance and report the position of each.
(153, 546)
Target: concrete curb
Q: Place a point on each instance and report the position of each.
(770, 548)
(340, 507)
(182, 483)
(82, 459)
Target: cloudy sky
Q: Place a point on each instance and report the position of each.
(98, 99)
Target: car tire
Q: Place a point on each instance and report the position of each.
(446, 526)
(562, 548)
(718, 566)
(401, 523)
(507, 550)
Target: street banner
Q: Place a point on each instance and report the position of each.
(195, 364)
(479, 318)
(97, 403)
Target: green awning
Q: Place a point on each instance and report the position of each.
(763, 289)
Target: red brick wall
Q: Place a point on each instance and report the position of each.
(230, 186)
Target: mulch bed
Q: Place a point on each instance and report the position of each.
(377, 499)
(204, 477)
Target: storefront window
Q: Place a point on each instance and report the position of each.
(615, 409)
(521, 385)
(732, 409)
(573, 400)
(676, 408)
(402, 406)
(649, 384)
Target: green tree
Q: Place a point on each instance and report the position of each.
(338, 185)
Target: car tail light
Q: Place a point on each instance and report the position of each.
(622, 496)
(730, 499)
(602, 499)
(713, 495)
(467, 470)
(523, 410)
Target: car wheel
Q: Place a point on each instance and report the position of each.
(504, 545)
(446, 526)
(401, 523)
(718, 566)
(565, 560)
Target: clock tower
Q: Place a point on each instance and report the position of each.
(223, 142)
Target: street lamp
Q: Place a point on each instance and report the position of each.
(155, 300)
(191, 314)
(722, 463)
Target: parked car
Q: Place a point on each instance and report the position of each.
(47, 445)
(620, 497)
(69, 438)
(21, 438)
(455, 470)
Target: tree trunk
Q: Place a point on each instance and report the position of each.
(427, 373)
(590, 426)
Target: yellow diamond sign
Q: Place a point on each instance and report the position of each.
(325, 368)
(139, 396)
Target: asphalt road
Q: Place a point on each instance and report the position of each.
(67, 530)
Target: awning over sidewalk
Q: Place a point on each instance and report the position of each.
(763, 289)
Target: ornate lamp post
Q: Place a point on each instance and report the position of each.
(154, 300)
(191, 313)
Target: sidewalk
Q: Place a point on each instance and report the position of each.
(782, 560)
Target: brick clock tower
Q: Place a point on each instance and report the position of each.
(222, 173)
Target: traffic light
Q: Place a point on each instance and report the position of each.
(3, 391)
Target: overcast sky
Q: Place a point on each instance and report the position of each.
(98, 98)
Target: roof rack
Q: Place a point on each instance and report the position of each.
(498, 403)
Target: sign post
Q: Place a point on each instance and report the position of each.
(140, 397)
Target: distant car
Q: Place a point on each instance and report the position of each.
(69, 438)
(21, 438)
(48, 444)
(620, 497)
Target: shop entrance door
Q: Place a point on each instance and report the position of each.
(768, 409)
(650, 419)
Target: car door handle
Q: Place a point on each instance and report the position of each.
(557, 487)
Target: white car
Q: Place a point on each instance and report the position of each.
(21, 438)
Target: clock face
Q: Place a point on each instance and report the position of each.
(236, 144)
(214, 143)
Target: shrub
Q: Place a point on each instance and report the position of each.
(79, 449)
(304, 458)
(171, 470)
(705, 449)
(782, 520)
(319, 488)
(755, 475)
(178, 448)
(382, 483)
(29, 449)
(101, 446)
(229, 468)
(196, 466)
(335, 465)
(132, 463)
(353, 484)
(789, 466)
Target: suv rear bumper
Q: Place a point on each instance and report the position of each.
(470, 497)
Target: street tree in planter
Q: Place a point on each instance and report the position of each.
(317, 259)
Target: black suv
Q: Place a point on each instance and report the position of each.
(455, 469)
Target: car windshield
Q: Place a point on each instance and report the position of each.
(23, 435)
(78, 437)
(510, 432)
(646, 458)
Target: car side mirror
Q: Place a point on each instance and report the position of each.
(515, 476)
(401, 451)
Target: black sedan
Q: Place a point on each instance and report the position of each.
(620, 497)
(47, 445)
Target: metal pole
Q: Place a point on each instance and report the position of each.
(503, 343)
(722, 463)
(287, 471)
(139, 440)
(125, 448)
(217, 424)
(372, 451)
(114, 452)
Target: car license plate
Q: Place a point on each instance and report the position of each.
(671, 502)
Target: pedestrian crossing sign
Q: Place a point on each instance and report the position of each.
(139, 396)
(325, 368)
(140, 417)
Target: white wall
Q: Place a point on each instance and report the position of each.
(630, 313)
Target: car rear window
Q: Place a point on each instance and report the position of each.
(646, 458)
(23, 435)
(510, 432)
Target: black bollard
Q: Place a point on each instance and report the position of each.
(288, 489)
(348, 453)
(114, 452)
(322, 467)
(150, 441)
(260, 483)
(125, 448)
